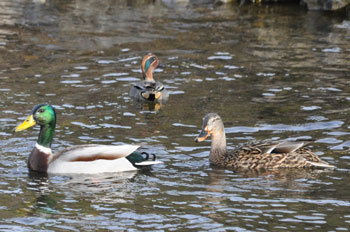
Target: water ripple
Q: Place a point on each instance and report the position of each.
(283, 127)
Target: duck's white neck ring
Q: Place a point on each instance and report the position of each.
(43, 149)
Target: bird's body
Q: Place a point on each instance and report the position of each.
(84, 159)
(148, 89)
(256, 154)
(267, 155)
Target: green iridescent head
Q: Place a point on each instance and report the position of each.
(45, 116)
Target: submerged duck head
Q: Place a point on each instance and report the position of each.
(149, 63)
(212, 125)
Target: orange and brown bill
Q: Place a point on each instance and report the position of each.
(203, 135)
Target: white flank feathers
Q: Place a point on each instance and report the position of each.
(67, 161)
(91, 167)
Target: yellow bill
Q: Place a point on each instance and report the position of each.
(29, 122)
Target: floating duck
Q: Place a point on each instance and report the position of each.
(257, 154)
(87, 159)
(149, 89)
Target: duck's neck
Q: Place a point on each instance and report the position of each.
(46, 135)
(148, 74)
(149, 78)
(218, 147)
(41, 155)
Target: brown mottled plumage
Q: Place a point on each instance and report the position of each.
(257, 154)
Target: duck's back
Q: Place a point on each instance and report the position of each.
(272, 155)
(148, 90)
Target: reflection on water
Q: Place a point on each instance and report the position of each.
(270, 71)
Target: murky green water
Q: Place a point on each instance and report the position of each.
(273, 71)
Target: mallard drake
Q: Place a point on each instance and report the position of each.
(257, 154)
(149, 89)
(91, 158)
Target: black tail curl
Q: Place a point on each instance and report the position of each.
(147, 156)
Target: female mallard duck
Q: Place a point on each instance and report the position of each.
(77, 159)
(256, 155)
(148, 89)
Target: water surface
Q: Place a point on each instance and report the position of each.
(270, 71)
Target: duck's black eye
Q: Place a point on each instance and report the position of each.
(41, 110)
